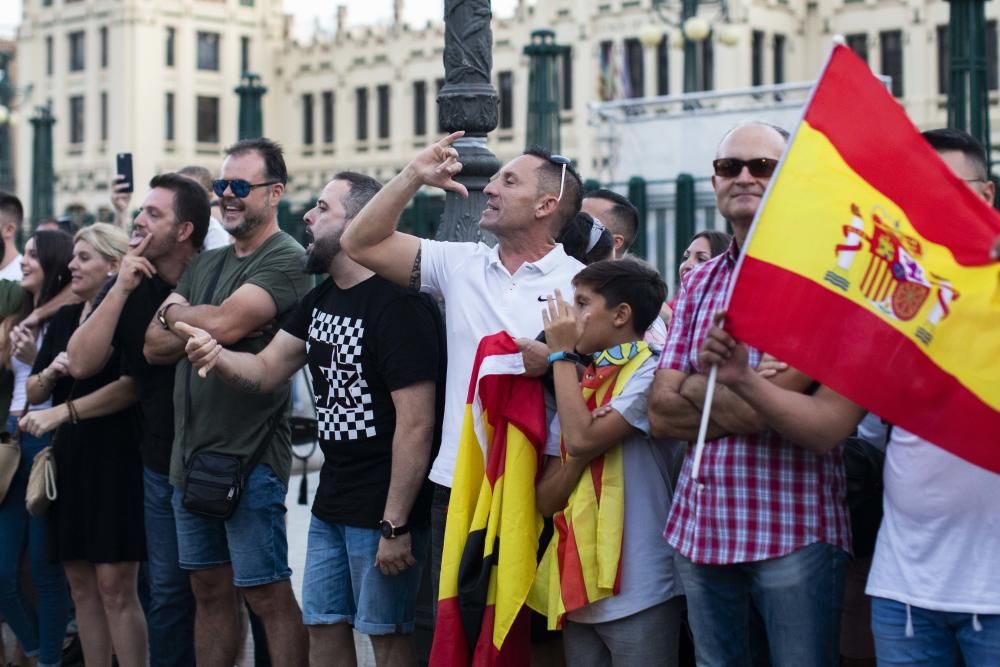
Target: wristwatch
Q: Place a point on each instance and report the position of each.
(562, 355)
(161, 314)
(391, 532)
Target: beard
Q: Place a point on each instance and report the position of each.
(320, 254)
(244, 229)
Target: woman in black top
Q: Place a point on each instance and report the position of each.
(97, 518)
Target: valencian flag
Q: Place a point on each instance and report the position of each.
(582, 563)
(491, 537)
(868, 269)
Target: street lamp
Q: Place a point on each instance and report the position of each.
(968, 97)
(251, 118)
(543, 90)
(42, 172)
(690, 30)
(6, 99)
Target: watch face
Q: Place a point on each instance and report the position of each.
(386, 529)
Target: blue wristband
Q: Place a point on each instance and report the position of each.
(562, 355)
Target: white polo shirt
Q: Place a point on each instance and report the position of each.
(481, 298)
(12, 271)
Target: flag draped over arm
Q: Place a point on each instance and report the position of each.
(868, 269)
(582, 563)
(491, 536)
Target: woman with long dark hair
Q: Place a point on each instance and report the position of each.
(40, 627)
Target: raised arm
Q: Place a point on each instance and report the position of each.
(256, 373)
(371, 238)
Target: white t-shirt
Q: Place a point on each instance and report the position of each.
(481, 298)
(939, 544)
(217, 236)
(647, 564)
(12, 271)
(22, 372)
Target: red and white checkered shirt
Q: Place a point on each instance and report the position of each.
(758, 496)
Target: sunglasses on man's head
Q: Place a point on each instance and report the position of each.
(730, 167)
(239, 187)
(563, 161)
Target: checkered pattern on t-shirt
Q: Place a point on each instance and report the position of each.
(758, 496)
(345, 412)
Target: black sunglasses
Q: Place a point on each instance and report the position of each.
(730, 167)
(239, 187)
(563, 161)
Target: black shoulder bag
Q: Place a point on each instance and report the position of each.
(213, 482)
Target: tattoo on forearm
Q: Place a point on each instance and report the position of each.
(415, 272)
(246, 384)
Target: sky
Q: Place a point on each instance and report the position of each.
(359, 12)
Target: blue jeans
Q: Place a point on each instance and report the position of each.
(40, 630)
(799, 597)
(253, 539)
(938, 636)
(342, 585)
(170, 612)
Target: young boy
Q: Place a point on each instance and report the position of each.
(609, 487)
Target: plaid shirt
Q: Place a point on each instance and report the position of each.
(758, 496)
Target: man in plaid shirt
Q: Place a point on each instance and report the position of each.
(766, 523)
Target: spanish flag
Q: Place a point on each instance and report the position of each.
(868, 269)
(491, 537)
(582, 563)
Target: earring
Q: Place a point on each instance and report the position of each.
(110, 273)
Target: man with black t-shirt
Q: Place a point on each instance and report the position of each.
(375, 354)
(167, 234)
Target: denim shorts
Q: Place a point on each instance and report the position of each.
(342, 585)
(253, 539)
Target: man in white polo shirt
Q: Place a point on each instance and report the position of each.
(485, 289)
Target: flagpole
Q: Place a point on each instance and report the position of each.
(699, 447)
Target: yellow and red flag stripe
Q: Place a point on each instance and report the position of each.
(491, 536)
(868, 269)
(582, 563)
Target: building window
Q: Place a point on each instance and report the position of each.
(77, 51)
(307, 119)
(566, 80)
(171, 34)
(208, 120)
(104, 116)
(361, 108)
(858, 43)
(104, 46)
(208, 51)
(48, 55)
(168, 117)
(633, 68)
(505, 88)
(419, 108)
(438, 85)
(891, 45)
(328, 117)
(663, 66)
(383, 111)
(757, 58)
(779, 58)
(76, 119)
(704, 65)
(244, 54)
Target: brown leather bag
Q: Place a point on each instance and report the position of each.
(41, 483)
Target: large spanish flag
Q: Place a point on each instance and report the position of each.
(868, 269)
(491, 537)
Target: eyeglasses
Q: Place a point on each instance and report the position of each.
(730, 167)
(565, 162)
(239, 187)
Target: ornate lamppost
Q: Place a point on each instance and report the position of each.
(543, 90)
(251, 118)
(968, 97)
(42, 173)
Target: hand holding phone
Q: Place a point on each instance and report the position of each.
(124, 167)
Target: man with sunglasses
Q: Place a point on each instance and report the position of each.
(485, 289)
(766, 523)
(236, 294)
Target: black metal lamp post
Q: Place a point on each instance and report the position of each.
(968, 97)
(468, 101)
(543, 90)
(6, 99)
(42, 175)
(251, 118)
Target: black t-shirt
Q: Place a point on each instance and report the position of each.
(362, 344)
(156, 383)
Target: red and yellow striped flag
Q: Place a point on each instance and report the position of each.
(491, 537)
(868, 269)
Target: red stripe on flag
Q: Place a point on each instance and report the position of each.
(811, 319)
(449, 647)
(516, 650)
(939, 205)
(571, 581)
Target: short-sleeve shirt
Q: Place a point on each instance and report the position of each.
(482, 298)
(363, 343)
(647, 565)
(758, 496)
(224, 419)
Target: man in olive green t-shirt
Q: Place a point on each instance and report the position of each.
(237, 293)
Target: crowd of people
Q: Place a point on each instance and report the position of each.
(153, 356)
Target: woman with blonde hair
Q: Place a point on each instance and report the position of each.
(97, 517)
(40, 625)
